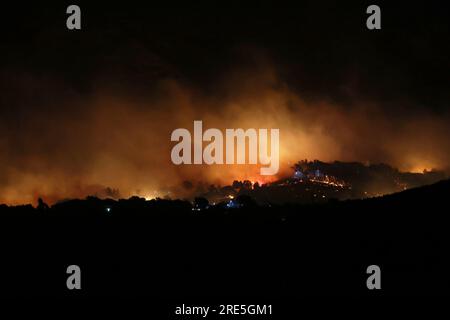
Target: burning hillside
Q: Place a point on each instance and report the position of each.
(316, 181)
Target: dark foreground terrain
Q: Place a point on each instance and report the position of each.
(165, 249)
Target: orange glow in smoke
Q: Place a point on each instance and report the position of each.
(124, 143)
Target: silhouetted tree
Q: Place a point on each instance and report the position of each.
(237, 184)
(247, 184)
(42, 205)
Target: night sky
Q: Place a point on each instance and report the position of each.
(317, 46)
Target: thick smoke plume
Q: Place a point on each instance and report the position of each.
(57, 142)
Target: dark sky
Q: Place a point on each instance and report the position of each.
(317, 45)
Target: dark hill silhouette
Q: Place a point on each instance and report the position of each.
(165, 249)
(317, 181)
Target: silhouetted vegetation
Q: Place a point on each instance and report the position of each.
(172, 248)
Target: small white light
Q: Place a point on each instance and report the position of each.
(108, 209)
